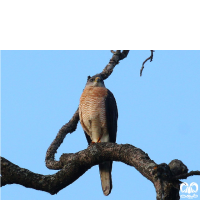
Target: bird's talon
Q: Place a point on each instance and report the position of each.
(99, 140)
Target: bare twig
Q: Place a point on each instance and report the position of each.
(149, 58)
(184, 176)
(115, 52)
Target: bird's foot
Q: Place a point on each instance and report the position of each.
(98, 141)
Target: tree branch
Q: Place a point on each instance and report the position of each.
(52, 184)
(117, 56)
(149, 58)
(75, 165)
(52, 150)
(186, 175)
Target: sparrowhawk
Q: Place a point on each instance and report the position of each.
(98, 117)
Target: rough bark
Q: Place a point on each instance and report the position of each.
(75, 165)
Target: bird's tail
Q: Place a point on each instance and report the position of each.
(105, 169)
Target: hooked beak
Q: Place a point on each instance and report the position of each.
(97, 79)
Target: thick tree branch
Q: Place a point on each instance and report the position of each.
(166, 179)
(52, 184)
(75, 165)
(117, 56)
(125, 153)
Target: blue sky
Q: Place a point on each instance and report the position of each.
(158, 112)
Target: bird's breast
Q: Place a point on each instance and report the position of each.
(92, 105)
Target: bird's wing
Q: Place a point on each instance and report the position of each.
(111, 115)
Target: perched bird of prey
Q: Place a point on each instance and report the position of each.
(98, 116)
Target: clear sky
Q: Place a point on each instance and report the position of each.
(158, 112)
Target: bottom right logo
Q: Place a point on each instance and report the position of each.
(189, 190)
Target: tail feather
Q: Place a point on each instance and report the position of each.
(105, 169)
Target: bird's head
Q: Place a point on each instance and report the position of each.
(95, 81)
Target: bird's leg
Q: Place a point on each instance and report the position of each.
(99, 136)
(98, 141)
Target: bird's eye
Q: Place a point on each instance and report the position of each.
(91, 80)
